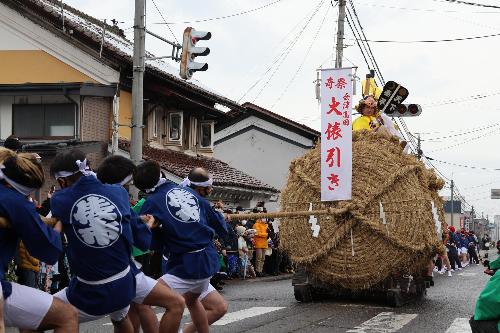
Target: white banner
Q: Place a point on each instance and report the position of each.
(336, 134)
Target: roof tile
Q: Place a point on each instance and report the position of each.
(179, 164)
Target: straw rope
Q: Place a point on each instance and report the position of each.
(382, 173)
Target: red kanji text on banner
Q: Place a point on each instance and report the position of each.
(336, 134)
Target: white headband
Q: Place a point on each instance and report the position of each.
(18, 187)
(186, 182)
(126, 180)
(161, 181)
(82, 167)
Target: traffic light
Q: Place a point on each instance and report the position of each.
(405, 110)
(190, 52)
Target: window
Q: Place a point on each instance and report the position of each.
(44, 120)
(206, 134)
(175, 126)
(155, 125)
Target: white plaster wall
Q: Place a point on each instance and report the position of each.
(11, 41)
(5, 116)
(252, 120)
(260, 155)
(20, 33)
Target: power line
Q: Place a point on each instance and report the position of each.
(424, 9)
(309, 16)
(292, 45)
(436, 169)
(464, 142)
(163, 18)
(462, 99)
(429, 40)
(370, 52)
(303, 60)
(471, 3)
(462, 165)
(361, 49)
(481, 185)
(453, 131)
(225, 16)
(462, 133)
(411, 143)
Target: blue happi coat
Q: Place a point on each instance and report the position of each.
(97, 222)
(188, 225)
(41, 241)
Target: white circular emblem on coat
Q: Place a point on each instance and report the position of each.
(183, 205)
(96, 221)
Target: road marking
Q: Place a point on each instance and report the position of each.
(365, 306)
(459, 325)
(246, 313)
(384, 322)
(467, 274)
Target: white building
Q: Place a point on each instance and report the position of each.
(262, 143)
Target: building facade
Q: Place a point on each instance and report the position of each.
(266, 143)
(66, 82)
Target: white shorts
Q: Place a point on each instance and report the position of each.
(464, 250)
(144, 285)
(26, 307)
(182, 286)
(207, 291)
(85, 317)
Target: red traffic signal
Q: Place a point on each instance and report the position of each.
(189, 51)
(406, 110)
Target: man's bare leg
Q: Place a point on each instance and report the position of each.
(216, 307)
(163, 296)
(198, 314)
(142, 316)
(2, 325)
(61, 317)
(133, 315)
(123, 326)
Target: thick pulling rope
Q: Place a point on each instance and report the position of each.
(277, 215)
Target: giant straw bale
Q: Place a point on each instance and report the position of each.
(355, 249)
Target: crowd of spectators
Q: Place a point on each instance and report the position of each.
(462, 249)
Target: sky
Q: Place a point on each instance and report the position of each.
(262, 57)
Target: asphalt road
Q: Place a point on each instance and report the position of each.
(269, 306)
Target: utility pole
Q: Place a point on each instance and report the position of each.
(138, 85)
(419, 147)
(452, 188)
(472, 217)
(340, 34)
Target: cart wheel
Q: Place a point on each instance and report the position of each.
(303, 293)
(394, 298)
(421, 290)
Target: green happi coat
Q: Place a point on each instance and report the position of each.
(488, 303)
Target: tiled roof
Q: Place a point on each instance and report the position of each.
(88, 30)
(179, 164)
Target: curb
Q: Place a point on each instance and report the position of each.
(280, 277)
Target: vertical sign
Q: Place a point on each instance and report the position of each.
(336, 134)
